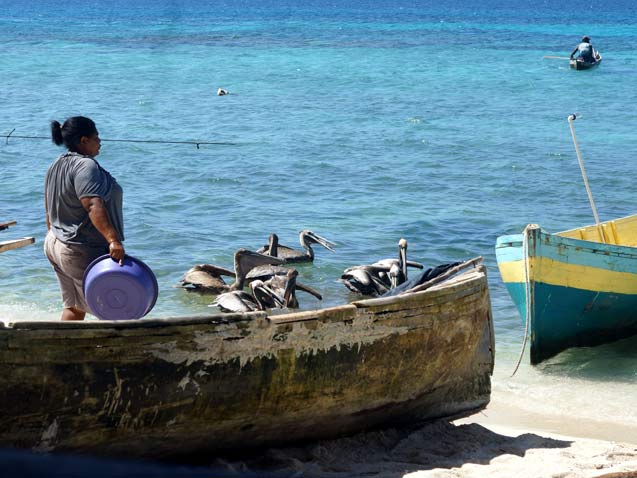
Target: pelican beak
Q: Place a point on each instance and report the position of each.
(262, 290)
(403, 259)
(393, 280)
(321, 240)
(309, 290)
(277, 298)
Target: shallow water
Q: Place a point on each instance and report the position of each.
(366, 122)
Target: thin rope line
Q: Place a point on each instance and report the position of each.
(570, 120)
(527, 292)
(154, 141)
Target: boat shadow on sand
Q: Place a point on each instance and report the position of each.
(397, 452)
(385, 453)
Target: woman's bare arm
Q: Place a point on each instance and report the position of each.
(99, 217)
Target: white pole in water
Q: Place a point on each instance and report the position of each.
(572, 118)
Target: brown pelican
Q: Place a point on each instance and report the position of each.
(396, 269)
(366, 280)
(288, 254)
(265, 295)
(281, 281)
(241, 301)
(208, 278)
(287, 285)
(377, 278)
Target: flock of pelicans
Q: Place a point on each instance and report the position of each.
(270, 285)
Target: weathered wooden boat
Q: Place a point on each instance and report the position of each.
(191, 385)
(581, 64)
(574, 288)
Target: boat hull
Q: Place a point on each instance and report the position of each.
(585, 65)
(194, 385)
(576, 292)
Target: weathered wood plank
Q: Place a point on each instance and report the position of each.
(5, 225)
(338, 313)
(15, 243)
(132, 324)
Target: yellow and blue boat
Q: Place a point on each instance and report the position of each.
(573, 288)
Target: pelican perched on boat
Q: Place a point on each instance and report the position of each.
(377, 278)
(208, 278)
(365, 280)
(289, 254)
(281, 281)
(396, 268)
(259, 298)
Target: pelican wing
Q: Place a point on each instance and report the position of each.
(265, 272)
(213, 270)
(205, 278)
(246, 260)
(386, 264)
(235, 301)
(362, 281)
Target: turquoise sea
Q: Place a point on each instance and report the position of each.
(364, 121)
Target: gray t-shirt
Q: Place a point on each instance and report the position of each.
(73, 177)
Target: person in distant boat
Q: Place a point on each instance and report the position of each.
(584, 51)
(222, 92)
(83, 204)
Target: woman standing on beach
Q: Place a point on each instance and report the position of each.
(83, 211)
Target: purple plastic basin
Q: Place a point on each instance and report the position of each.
(115, 292)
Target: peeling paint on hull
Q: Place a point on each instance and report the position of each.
(188, 385)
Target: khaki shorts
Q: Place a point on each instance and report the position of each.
(69, 262)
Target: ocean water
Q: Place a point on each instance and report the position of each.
(364, 121)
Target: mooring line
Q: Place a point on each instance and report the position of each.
(155, 141)
(527, 292)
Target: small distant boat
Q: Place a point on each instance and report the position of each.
(581, 64)
(574, 288)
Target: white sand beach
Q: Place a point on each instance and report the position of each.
(521, 444)
(499, 442)
(465, 450)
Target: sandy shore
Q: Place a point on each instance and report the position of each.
(463, 449)
(525, 445)
(500, 415)
(500, 442)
